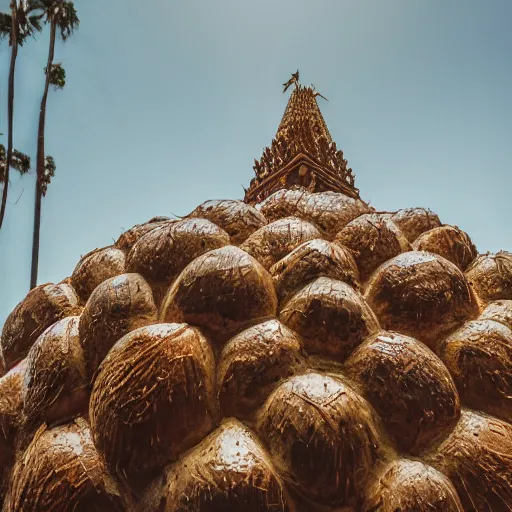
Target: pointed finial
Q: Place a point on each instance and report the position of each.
(293, 80)
(316, 93)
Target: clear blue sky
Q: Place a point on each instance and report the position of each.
(168, 102)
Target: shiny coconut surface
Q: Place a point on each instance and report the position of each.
(296, 351)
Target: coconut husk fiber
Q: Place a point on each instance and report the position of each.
(500, 310)
(221, 292)
(237, 218)
(153, 399)
(127, 239)
(422, 295)
(479, 356)
(409, 387)
(275, 240)
(96, 267)
(324, 439)
(253, 363)
(11, 409)
(450, 242)
(316, 258)
(412, 222)
(330, 211)
(331, 317)
(61, 471)
(229, 471)
(411, 486)
(490, 275)
(41, 308)
(477, 458)
(160, 255)
(116, 307)
(372, 239)
(55, 384)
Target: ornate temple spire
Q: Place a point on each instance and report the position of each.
(302, 154)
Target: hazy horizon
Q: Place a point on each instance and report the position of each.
(167, 106)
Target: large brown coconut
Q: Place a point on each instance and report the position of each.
(284, 203)
(310, 260)
(42, 307)
(422, 295)
(116, 307)
(153, 398)
(331, 316)
(127, 239)
(55, 384)
(372, 239)
(237, 218)
(96, 267)
(275, 240)
(160, 255)
(500, 310)
(323, 437)
(330, 211)
(252, 363)
(409, 387)
(450, 242)
(61, 471)
(411, 486)
(11, 409)
(415, 221)
(221, 291)
(228, 471)
(479, 356)
(477, 458)
(490, 275)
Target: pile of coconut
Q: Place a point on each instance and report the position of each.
(306, 354)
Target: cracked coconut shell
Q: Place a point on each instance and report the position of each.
(238, 219)
(331, 317)
(323, 437)
(479, 356)
(490, 275)
(477, 458)
(450, 242)
(153, 399)
(253, 363)
(116, 307)
(61, 471)
(228, 471)
(41, 308)
(55, 384)
(408, 386)
(422, 295)
(160, 255)
(275, 240)
(316, 258)
(372, 239)
(96, 267)
(412, 222)
(221, 292)
(411, 486)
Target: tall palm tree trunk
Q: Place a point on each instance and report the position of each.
(10, 112)
(40, 161)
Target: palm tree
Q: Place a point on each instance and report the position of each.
(18, 25)
(62, 17)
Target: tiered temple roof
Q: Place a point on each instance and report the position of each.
(302, 154)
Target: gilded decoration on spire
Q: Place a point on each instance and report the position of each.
(302, 154)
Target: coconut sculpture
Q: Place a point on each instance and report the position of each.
(293, 351)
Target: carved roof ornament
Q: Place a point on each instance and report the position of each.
(302, 154)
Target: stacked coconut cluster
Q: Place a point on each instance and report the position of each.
(306, 354)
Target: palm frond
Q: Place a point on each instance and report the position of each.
(3, 158)
(5, 25)
(49, 173)
(20, 162)
(57, 76)
(67, 19)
